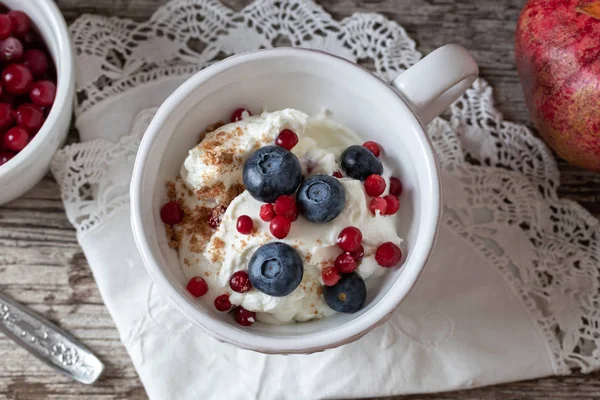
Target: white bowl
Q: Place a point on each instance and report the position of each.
(31, 164)
(308, 81)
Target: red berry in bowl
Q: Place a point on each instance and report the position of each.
(374, 185)
(171, 213)
(5, 26)
(330, 276)
(239, 114)
(244, 317)
(215, 216)
(16, 79)
(378, 204)
(222, 303)
(287, 139)
(28, 117)
(5, 157)
(37, 62)
(280, 226)
(15, 139)
(286, 206)
(31, 39)
(349, 238)
(294, 216)
(358, 254)
(21, 24)
(6, 116)
(374, 147)
(345, 263)
(393, 204)
(11, 50)
(42, 93)
(7, 98)
(197, 286)
(244, 224)
(240, 282)
(395, 186)
(388, 255)
(267, 212)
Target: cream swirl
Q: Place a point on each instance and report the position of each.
(227, 251)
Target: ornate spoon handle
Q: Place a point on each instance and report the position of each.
(48, 342)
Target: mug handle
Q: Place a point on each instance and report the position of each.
(434, 83)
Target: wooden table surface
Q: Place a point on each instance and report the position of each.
(42, 266)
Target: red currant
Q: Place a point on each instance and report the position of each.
(374, 147)
(330, 276)
(393, 204)
(5, 157)
(358, 254)
(285, 206)
(11, 50)
(267, 212)
(388, 255)
(215, 216)
(31, 39)
(345, 263)
(29, 117)
(240, 282)
(280, 226)
(349, 238)
(20, 22)
(222, 303)
(16, 79)
(395, 186)
(6, 116)
(42, 93)
(15, 139)
(171, 213)
(287, 139)
(238, 114)
(197, 286)
(5, 26)
(374, 185)
(378, 204)
(244, 317)
(337, 174)
(7, 98)
(244, 224)
(37, 62)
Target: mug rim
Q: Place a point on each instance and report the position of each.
(309, 343)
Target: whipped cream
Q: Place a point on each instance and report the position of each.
(216, 255)
(215, 164)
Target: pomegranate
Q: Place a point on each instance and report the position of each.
(558, 58)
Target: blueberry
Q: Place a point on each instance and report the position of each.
(346, 296)
(321, 198)
(359, 162)
(275, 269)
(270, 172)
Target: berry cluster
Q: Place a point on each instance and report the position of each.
(375, 186)
(28, 84)
(272, 174)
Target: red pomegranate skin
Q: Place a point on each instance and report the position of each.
(558, 57)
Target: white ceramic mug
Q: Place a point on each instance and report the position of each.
(309, 81)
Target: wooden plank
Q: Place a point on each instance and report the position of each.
(42, 265)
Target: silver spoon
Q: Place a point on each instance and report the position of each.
(48, 342)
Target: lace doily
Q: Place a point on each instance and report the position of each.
(499, 180)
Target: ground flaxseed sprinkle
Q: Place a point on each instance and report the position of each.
(216, 250)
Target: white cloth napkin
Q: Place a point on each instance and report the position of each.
(510, 292)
